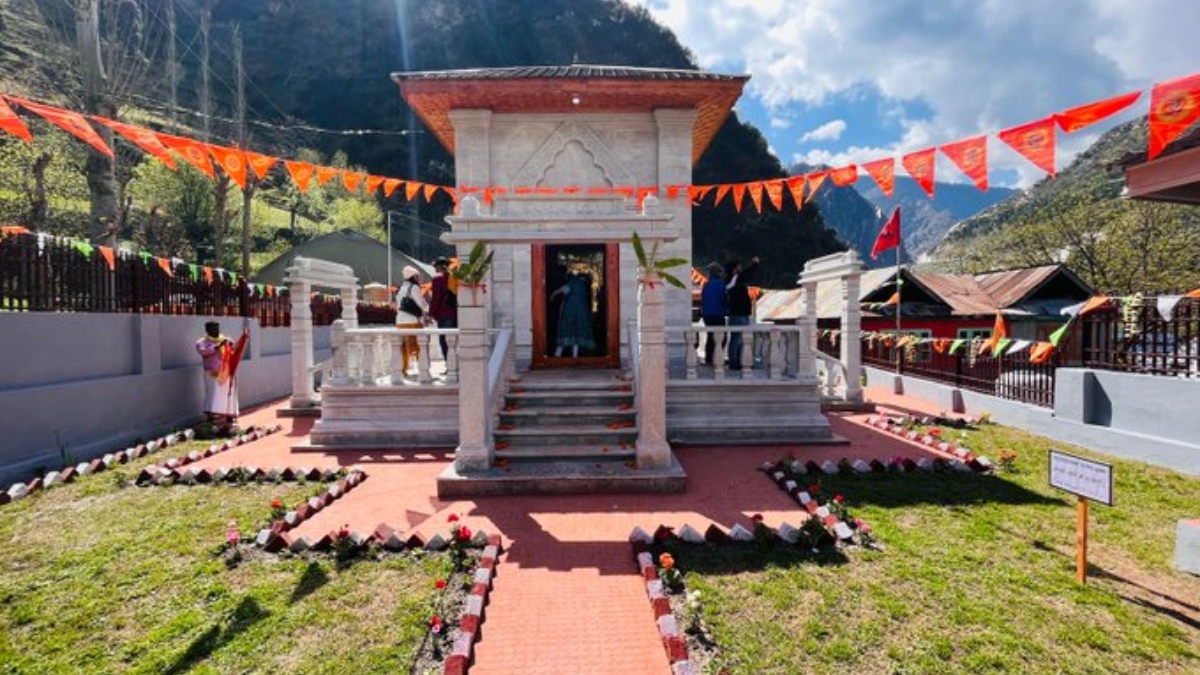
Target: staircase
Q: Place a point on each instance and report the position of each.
(563, 432)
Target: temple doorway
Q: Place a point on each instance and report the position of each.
(576, 291)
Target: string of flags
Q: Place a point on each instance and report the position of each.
(1174, 107)
(168, 266)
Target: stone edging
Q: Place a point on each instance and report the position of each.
(169, 472)
(895, 426)
(468, 632)
(668, 626)
(273, 538)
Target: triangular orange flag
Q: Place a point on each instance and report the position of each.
(165, 265)
(107, 253)
(352, 180)
(739, 194)
(844, 176)
(884, 173)
(192, 152)
(488, 196)
(12, 124)
(1193, 294)
(326, 174)
(208, 274)
(775, 193)
(970, 155)
(1074, 119)
(673, 191)
(999, 332)
(795, 185)
(1041, 352)
(429, 191)
(921, 166)
(71, 122)
(571, 189)
(373, 183)
(1035, 141)
(1093, 303)
(261, 164)
(814, 182)
(390, 185)
(301, 172)
(411, 188)
(756, 194)
(722, 190)
(1174, 106)
(940, 345)
(143, 138)
(231, 162)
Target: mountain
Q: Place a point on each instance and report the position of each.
(926, 221)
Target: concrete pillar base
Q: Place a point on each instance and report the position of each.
(1187, 546)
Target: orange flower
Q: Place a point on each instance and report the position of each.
(667, 561)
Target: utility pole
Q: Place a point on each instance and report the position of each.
(172, 65)
(243, 143)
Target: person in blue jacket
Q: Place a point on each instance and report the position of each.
(714, 305)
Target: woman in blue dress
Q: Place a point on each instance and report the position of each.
(575, 316)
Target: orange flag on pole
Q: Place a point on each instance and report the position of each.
(1035, 141)
(921, 166)
(844, 176)
(1074, 119)
(143, 138)
(970, 155)
(889, 236)
(260, 164)
(1174, 106)
(13, 124)
(193, 152)
(884, 173)
(231, 162)
(301, 172)
(71, 122)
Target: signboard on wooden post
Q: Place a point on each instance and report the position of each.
(1087, 479)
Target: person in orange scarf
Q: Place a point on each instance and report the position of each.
(220, 357)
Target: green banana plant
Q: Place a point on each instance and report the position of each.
(650, 263)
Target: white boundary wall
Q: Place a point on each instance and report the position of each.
(86, 384)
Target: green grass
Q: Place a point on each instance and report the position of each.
(100, 578)
(977, 577)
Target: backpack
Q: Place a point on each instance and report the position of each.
(410, 306)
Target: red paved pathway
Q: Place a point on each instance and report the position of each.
(567, 597)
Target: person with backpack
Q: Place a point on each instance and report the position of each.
(443, 300)
(741, 308)
(411, 312)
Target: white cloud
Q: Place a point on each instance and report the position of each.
(830, 131)
(978, 65)
(780, 122)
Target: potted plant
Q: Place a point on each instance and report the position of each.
(651, 269)
(471, 273)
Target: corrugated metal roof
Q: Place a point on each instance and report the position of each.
(572, 72)
(1010, 286)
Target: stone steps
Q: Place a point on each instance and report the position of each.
(568, 453)
(564, 415)
(567, 434)
(585, 397)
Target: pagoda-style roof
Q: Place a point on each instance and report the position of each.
(576, 88)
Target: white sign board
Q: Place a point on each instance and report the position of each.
(1083, 477)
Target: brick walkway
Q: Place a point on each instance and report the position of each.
(567, 597)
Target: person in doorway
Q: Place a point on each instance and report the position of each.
(575, 316)
(737, 285)
(714, 306)
(411, 312)
(220, 357)
(443, 300)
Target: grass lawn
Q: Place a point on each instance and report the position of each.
(100, 578)
(977, 576)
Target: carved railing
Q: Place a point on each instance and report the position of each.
(371, 357)
(501, 366)
(768, 352)
(831, 375)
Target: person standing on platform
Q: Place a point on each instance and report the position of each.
(443, 300)
(737, 284)
(714, 306)
(411, 312)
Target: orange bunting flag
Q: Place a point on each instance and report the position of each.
(1035, 141)
(488, 196)
(192, 152)
(921, 166)
(208, 274)
(970, 155)
(452, 192)
(231, 162)
(326, 174)
(352, 180)
(795, 186)
(697, 194)
(545, 190)
(107, 253)
(1093, 303)
(884, 173)
(673, 191)
(165, 265)
(429, 191)
(999, 332)
(301, 172)
(1074, 119)
(1193, 294)
(13, 124)
(70, 122)
(1041, 352)
(844, 176)
(143, 138)
(261, 164)
(411, 188)
(390, 185)
(722, 190)
(894, 300)
(739, 194)
(774, 190)
(1174, 106)
(814, 182)
(756, 194)
(571, 190)
(373, 183)
(940, 345)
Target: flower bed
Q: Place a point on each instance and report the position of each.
(929, 432)
(172, 470)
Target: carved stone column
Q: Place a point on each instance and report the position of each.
(851, 348)
(303, 394)
(653, 451)
(474, 452)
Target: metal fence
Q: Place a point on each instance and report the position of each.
(1137, 338)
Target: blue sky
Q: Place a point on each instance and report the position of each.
(838, 81)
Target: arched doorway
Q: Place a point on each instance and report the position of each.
(576, 305)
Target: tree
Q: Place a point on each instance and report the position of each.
(174, 211)
(44, 188)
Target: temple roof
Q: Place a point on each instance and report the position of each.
(575, 88)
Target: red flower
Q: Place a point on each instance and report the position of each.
(839, 499)
(439, 584)
(464, 533)
(935, 432)
(757, 517)
(276, 503)
(814, 489)
(343, 532)
(435, 623)
(453, 518)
